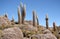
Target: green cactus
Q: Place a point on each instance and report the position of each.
(37, 20)
(12, 21)
(23, 13)
(19, 16)
(54, 26)
(34, 18)
(46, 21)
(6, 15)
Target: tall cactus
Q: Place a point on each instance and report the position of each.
(46, 21)
(19, 17)
(37, 20)
(54, 26)
(23, 13)
(34, 19)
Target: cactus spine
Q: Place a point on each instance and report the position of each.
(46, 21)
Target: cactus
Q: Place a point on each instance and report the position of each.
(34, 20)
(19, 16)
(37, 20)
(46, 21)
(23, 13)
(54, 26)
(12, 19)
(6, 15)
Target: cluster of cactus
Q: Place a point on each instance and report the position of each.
(35, 19)
(23, 14)
(46, 21)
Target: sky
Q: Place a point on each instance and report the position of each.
(42, 7)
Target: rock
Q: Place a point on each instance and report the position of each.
(30, 22)
(46, 31)
(40, 27)
(28, 27)
(28, 30)
(4, 21)
(12, 33)
(43, 36)
(26, 38)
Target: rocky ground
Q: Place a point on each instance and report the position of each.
(25, 31)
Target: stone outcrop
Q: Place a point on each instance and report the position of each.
(28, 27)
(46, 35)
(4, 21)
(12, 33)
(43, 36)
(46, 31)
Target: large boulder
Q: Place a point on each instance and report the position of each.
(4, 21)
(46, 31)
(46, 35)
(28, 27)
(12, 33)
(28, 30)
(43, 36)
(26, 38)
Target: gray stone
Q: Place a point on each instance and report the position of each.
(46, 31)
(4, 21)
(43, 36)
(12, 33)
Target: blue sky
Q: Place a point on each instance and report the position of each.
(42, 7)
